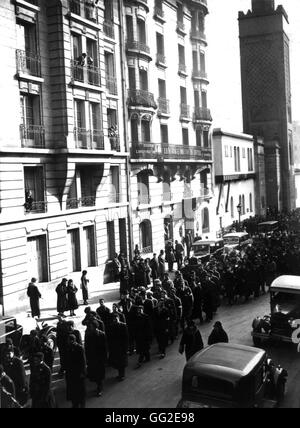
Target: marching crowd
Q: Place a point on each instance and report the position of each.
(156, 306)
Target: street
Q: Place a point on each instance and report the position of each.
(158, 383)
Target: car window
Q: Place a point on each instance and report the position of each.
(214, 388)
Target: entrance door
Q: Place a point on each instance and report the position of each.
(123, 236)
(37, 258)
(74, 250)
(89, 236)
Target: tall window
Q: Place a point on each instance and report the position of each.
(238, 159)
(108, 11)
(205, 221)
(243, 205)
(185, 137)
(132, 78)
(134, 130)
(251, 202)
(114, 184)
(30, 110)
(141, 30)
(146, 131)
(95, 117)
(204, 99)
(206, 141)
(143, 80)
(143, 188)
(111, 240)
(183, 95)
(79, 114)
(197, 98)
(164, 132)
(202, 61)
(146, 236)
(199, 137)
(232, 207)
(77, 46)
(129, 27)
(180, 14)
(181, 54)
(160, 43)
(26, 38)
(34, 189)
(162, 88)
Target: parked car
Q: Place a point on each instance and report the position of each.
(203, 250)
(237, 240)
(232, 376)
(281, 325)
(268, 227)
(9, 328)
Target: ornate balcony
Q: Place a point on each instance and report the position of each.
(32, 136)
(115, 198)
(200, 3)
(138, 47)
(112, 85)
(84, 8)
(84, 202)
(89, 74)
(140, 98)
(144, 199)
(185, 112)
(28, 63)
(163, 107)
(198, 35)
(109, 29)
(202, 113)
(35, 207)
(200, 75)
(142, 2)
(162, 152)
(89, 139)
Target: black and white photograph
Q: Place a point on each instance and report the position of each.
(149, 206)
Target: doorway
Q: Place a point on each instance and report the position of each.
(74, 261)
(38, 258)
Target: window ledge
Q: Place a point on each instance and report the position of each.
(28, 5)
(30, 78)
(84, 21)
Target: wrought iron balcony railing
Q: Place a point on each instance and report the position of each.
(85, 8)
(163, 152)
(32, 136)
(144, 199)
(89, 74)
(202, 113)
(167, 196)
(185, 112)
(83, 202)
(147, 250)
(36, 207)
(28, 63)
(163, 106)
(115, 144)
(140, 98)
(112, 85)
(135, 45)
(89, 139)
(109, 29)
(115, 198)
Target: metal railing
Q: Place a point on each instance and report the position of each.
(28, 63)
(185, 111)
(85, 201)
(115, 144)
(202, 113)
(84, 8)
(144, 200)
(109, 29)
(167, 196)
(170, 151)
(32, 136)
(89, 74)
(138, 97)
(115, 198)
(112, 85)
(161, 59)
(36, 207)
(163, 106)
(158, 12)
(89, 139)
(137, 46)
(147, 250)
(182, 68)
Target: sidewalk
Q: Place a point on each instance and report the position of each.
(109, 292)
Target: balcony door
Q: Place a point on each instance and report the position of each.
(34, 189)
(141, 31)
(38, 258)
(73, 251)
(90, 247)
(80, 127)
(114, 184)
(123, 236)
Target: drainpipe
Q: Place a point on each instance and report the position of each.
(126, 137)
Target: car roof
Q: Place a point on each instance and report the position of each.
(226, 362)
(237, 234)
(287, 283)
(210, 242)
(266, 223)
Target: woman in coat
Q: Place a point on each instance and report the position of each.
(191, 341)
(72, 299)
(34, 297)
(76, 373)
(62, 300)
(118, 346)
(96, 355)
(84, 287)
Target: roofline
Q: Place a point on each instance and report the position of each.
(218, 132)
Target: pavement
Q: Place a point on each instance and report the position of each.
(157, 384)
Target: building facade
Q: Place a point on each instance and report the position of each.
(168, 121)
(266, 88)
(63, 163)
(235, 177)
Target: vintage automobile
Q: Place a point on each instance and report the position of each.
(203, 250)
(282, 324)
(9, 328)
(268, 228)
(232, 376)
(237, 240)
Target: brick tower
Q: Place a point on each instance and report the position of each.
(266, 91)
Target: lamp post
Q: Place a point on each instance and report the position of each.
(239, 208)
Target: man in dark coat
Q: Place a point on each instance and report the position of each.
(185, 295)
(191, 341)
(218, 335)
(104, 313)
(162, 327)
(142, 335)
(154, 264)
(178, 307)
(91, 316)
(14, 368)
(34, 297)
(118, 346)
(62, 301)
(96, 352)
(76, 374)
(62, 333)
(40, 384)
(161, 265)
(179, 254)
(198, 297)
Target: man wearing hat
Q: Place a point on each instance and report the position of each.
(118, 346)
(218, 335)
(40, 384)
(34, 297)
(142, 335)
(191, 341)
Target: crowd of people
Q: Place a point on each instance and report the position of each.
(156, 306)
